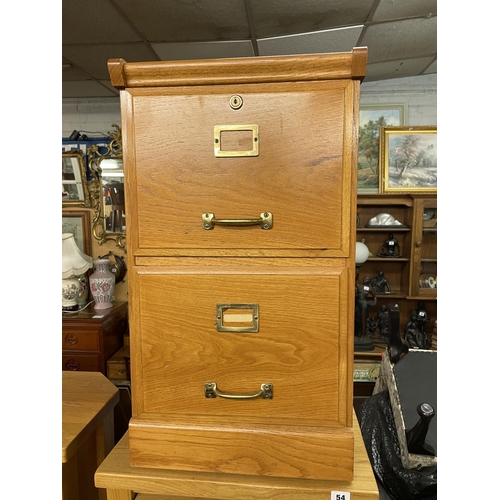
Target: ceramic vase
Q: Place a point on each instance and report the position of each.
(102, 284)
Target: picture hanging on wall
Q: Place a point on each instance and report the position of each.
(408, 159)
(371, 118)
(77, 222)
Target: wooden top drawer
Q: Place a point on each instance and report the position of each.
(80, 339)
(301, 177)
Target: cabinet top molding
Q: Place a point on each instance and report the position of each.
(334, 66)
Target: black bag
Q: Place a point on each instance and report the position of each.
(381, 441)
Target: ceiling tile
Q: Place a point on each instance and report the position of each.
(339, 40)
(187, 21)
(72, 74)
(396, 40)
(203, 50)
(433, 68)
(389, 9)
(396, 69)
(86, 89)
(94, 58)
(94, 20)
(286, 17)
(107, 83)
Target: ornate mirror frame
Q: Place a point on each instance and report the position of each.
(95, 154)
(74, 174)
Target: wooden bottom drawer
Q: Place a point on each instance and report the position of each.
(118, 365)
(244, 372)
(80, 362)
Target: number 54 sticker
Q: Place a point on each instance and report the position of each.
(340, 495)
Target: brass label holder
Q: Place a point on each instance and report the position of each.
(218, 129)
(240, 318)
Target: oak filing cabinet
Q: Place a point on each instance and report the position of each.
(241, 179)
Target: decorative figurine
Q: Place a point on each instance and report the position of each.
(364, 291)
(383, 322)
(371, 326)
(414, 335)
(389, 247)
(386, 220)
(422, 316)
(380, 284)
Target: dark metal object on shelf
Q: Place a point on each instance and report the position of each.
(390, 248)
(362, 341)
(396, 347)
(380, 283)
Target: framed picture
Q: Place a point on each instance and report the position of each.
(371, 118)
(408, 159)
(77, 222)
(74, 179)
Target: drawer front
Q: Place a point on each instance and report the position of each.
(301, 176)
(301, 346)
(80, 338)
(80, 362)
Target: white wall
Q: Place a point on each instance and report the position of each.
(96, 115)
(419, 93)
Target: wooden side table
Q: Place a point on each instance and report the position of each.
(88, 401)
(90, 337)
(122, 481)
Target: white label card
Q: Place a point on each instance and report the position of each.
(340, 495)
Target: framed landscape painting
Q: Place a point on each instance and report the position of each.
(371, 119)
(408, 159)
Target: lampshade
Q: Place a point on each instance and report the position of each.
(74, 261)
(362, 253)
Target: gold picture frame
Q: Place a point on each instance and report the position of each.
(408, 159)
(74, 179)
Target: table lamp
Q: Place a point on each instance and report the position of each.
(362, 254)
(74, 264)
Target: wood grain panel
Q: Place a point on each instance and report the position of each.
(271, 450)
(296, 348)
(298, 175)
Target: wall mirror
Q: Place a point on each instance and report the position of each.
(74, 179)
(107, 190)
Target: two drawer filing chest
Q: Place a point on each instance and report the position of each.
(240, 185)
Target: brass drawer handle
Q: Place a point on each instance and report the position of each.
(209, 221)
(211, 391)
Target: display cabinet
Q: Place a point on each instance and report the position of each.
(412, 274)
(423, 272)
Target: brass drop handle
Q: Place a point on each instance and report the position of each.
(211, 391)
(265, 221)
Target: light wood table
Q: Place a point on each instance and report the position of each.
(88, 401)
(122, 481)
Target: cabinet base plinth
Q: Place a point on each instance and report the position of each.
(311, 452)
